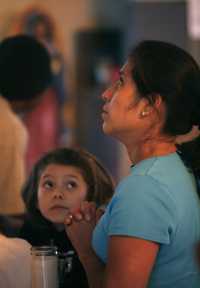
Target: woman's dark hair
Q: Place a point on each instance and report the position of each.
(99, 182)
(25, 69)
(164, 69)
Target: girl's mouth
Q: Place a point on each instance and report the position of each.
(58, 207)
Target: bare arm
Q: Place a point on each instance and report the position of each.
(130, 260)
(95, 270)
(79, 230)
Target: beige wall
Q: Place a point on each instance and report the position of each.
(8, 9)
(69, 15)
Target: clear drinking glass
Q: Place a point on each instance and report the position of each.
(44, 267)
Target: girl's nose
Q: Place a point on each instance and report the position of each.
(58, 193)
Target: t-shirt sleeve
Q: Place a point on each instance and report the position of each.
(143, 208)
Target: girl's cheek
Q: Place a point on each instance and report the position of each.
(76, 203)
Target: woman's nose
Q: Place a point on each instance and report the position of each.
(107, 94)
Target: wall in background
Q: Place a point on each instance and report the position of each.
(159, 20)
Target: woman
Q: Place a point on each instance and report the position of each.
(148, 234)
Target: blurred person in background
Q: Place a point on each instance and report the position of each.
(24, 74)
(45, 122)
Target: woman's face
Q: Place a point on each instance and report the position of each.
(61, 188)
(123, 106)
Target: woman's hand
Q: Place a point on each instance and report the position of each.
(79, 226)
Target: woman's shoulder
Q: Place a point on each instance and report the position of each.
(150, 183)
(155, 171)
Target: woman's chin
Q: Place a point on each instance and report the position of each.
(106, 129)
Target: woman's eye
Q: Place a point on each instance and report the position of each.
(119, 82)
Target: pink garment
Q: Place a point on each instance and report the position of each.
(43, 127)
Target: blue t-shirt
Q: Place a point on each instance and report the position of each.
(158, 201)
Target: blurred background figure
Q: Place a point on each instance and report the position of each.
(24, 74)
(45, 122)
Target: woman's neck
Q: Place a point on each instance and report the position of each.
(151, 148)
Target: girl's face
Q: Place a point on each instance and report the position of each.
(61, 188)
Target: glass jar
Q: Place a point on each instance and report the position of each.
(44, 267)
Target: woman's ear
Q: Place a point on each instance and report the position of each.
(157, 102)
(151, 105)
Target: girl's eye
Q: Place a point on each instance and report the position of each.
(48, 184)
(71, 184)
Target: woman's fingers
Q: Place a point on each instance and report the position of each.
(68, 219)
(86, 212)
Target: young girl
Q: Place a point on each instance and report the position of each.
(59, 182)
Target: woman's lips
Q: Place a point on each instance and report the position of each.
(104, 114)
